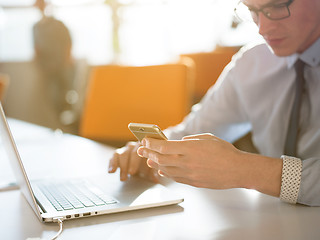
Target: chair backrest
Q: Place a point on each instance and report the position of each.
(4, 83)
(118, 95)
(208, 67)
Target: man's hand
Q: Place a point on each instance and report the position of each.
(130, 163)
(208, 161)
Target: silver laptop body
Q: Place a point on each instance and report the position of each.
(111, 195)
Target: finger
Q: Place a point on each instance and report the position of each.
(154, 176)
(152, 164)
(184, 181)
(149, 173)
(176, 178)
(199, 136)
(123, 161)
(113, 163)
(163, 146)
(135, 161)
(169, 171)
(158, 158)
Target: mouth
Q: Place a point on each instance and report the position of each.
(274, 41)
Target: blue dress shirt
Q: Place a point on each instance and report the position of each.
(255, 92)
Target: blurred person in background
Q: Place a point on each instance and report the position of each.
(64, 77)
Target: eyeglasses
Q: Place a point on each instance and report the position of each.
(271, 11)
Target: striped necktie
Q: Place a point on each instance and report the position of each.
(292, 134)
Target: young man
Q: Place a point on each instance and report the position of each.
(257, 88)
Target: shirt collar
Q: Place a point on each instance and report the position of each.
(311, 56)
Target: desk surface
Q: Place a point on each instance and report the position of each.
(205, 214)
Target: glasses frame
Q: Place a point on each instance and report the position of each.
(255, 11)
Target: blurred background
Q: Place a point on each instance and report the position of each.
(40, 38)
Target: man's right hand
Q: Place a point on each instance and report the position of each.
(127, 159)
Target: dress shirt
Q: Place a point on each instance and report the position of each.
(255, 92)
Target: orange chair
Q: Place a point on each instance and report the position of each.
(208, 67)
(4, 83)
(118, 95)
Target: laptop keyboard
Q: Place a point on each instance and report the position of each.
(68, 196)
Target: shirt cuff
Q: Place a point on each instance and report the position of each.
(291, 179)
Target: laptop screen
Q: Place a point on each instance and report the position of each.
(15, 161)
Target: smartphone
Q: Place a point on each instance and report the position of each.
(142, 130)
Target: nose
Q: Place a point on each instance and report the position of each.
(264, 24)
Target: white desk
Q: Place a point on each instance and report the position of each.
(205, 214)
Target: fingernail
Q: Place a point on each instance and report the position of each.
(140, 152)
(144, 142)
(148, 163)
(160, 173)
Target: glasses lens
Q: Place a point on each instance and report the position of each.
(277, 12)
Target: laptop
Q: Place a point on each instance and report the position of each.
(52, 199)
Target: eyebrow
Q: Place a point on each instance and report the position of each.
(264, 5)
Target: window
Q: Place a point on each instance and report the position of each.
(138, 32)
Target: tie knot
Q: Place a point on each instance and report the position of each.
(299, 65)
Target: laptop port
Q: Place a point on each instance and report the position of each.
(87, 214)
(68, 216)
(77, 215)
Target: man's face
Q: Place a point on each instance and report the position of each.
(293, 34)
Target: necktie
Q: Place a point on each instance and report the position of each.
(291, 141)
